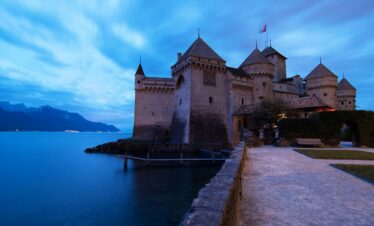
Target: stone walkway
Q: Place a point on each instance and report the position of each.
(283, 187)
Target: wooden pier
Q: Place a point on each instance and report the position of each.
(181, 160)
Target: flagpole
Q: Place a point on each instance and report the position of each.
(267, 36)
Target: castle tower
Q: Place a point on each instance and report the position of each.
(279, 62)
(346, 95)
(322, 83)
(262, 72)
(154, 101)
(201, 103)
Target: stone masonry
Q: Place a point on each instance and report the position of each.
(199, 102)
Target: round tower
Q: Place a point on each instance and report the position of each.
(262, 72)
(321, 82)
(346, 95)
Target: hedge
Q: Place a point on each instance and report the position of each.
(327, 125)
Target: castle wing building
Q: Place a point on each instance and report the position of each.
(206, 102)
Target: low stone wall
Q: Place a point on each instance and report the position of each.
(218, 202)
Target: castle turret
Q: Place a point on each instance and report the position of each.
(154, 101)
(322, 83)
(262, 72)
(279, 62)
(201, 103)
(346, 95)
(139, 76)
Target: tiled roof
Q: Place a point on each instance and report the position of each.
(254, 58)
(238, 72)
(319, 72)
(199, 48)
(307, 102)
(345, 85)
(139, 71)
(268, 51)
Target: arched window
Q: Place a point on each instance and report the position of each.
(264, 84)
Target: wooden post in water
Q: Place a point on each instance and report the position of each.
(125, 162)
(181, 157)
(147, 158)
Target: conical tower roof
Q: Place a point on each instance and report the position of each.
(140, 71)
(256, 57)
(199, 48)
(319, 72)
(345, 85)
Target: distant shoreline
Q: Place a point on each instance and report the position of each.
(37, 131)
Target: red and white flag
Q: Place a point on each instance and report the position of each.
(263, 28)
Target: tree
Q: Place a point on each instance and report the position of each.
(269, 113)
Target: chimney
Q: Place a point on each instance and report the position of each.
(179, 56)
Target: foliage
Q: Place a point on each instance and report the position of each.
(327, 126)
(269, 113)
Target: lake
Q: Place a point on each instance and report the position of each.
(47, 179)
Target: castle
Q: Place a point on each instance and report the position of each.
(205, 100)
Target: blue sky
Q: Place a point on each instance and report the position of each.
(81, 55)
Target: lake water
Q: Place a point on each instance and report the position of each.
(47, 179)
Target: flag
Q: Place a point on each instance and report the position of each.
(263, 28)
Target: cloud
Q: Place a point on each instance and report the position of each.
(81, 55)
(128, 35)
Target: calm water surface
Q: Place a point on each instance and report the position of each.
(47, 179)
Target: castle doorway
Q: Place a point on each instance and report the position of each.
(349, 134)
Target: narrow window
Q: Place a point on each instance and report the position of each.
(138, 81)
(325, 94)
(349, 102)
(264, 84)
(210, 100)
(242, 101)
(153, 114)
(180, 101)
(342, 103)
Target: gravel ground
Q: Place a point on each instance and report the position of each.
(283, 187)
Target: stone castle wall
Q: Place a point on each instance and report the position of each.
(154, 103)
(209, 105)
(242, 91)
(346, 99)
(182, 105)
(279, 67)
(323, 88)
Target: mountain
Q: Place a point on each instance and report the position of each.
(46, 118)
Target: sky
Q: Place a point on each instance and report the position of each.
(81, 55)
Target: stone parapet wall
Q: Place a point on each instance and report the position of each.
(218, 202)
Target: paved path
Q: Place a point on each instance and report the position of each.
(283, 187)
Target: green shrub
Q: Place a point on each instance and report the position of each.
(327, 125)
